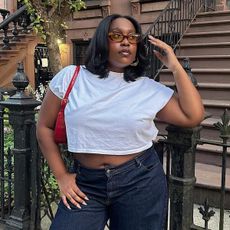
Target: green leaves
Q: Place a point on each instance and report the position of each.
(48, 11)
(76, 5)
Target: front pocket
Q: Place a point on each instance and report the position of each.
(150, 163)
(149, 167)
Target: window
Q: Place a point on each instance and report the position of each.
(79, 52)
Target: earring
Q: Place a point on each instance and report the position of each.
(135, 63)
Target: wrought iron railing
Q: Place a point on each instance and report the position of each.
(224, 129)
(179, 145)
(20, 22)
(175, 149)
(171, 34)
(170, 27)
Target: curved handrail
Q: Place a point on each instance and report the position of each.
(12, 17)
(170, 27)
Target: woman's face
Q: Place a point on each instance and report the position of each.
(121, 53)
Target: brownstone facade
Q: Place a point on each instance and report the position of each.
(83, 24)
(82, 27)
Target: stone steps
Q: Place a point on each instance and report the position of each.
(202, 75)
(208, 26)
(214, 155)
(214, 48)
(213, 16)
(206, 37)
(207, 90)
(207, 61)
(216, 107)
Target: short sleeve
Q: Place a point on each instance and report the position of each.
(60, 82)
(164, 94)
(158, 94)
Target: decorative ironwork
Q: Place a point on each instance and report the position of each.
(182, 179)
(21, 115)
(5, 14)
(18, 18)
(170, 27)
(206, 214)
(179, 145)
(209, 5)
(224, 125)
(224, 128)
(187, 68)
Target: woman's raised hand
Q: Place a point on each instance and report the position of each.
(167, 56)
(69, 190)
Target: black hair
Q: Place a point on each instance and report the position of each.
(98, 51)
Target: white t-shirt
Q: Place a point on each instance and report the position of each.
(110, 115)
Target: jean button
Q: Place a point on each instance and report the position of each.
(107, 172)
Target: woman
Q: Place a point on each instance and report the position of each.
(110, 129)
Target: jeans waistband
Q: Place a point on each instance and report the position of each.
(120, 168)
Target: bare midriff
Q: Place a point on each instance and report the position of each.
(98, 161)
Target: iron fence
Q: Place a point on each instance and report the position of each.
(166, 148)
(179, 147)
(170, 27)
(43, 190)
(176, 151)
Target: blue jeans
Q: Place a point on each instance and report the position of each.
(132, 196)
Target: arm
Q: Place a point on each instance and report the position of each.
(45, 125)
(185, 108)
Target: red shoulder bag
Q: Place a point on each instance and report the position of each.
(60, 128)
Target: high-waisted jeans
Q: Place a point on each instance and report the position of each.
(132, 196)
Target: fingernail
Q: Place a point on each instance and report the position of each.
(78, 206)
(69, 207)
(84, 203)
(86, 198)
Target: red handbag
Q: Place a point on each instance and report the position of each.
(60, 129)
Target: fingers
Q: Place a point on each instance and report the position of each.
(160, 44)
(63, 197)
(165, 54)
(76, 198)
(159, 55)
(71, 192)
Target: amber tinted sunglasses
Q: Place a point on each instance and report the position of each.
(118, 37)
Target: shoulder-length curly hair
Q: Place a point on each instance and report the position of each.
(98, 51)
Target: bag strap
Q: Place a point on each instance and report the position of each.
(65, 99)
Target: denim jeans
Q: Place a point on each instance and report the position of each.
(132, 196)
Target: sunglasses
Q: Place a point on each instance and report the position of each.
(118, 37)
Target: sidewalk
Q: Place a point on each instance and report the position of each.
(213, 223)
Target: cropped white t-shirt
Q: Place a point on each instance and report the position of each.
(109, 115)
